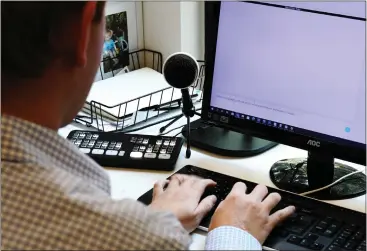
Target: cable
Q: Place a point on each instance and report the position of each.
(332, 184)
(178, 127)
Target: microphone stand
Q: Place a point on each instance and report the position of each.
(188, 110)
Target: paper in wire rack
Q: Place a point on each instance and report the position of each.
(127, 87)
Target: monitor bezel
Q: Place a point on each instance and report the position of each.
(348, 153)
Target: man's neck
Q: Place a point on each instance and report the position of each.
(30, 106)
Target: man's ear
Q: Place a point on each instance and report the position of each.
(84, 28)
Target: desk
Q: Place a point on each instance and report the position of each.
(133, 183)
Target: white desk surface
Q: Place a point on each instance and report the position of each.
(133, 183)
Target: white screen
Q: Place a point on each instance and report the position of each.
(295, 67)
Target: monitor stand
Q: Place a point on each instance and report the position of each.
(318, 170)
(225, 142)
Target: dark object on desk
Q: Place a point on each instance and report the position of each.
(301, 175)
(181, 70)
(129, 150)
(315, 225)
(225, 142)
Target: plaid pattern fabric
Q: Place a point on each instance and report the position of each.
(55, 197)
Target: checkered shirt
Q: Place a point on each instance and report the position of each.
(55, 197)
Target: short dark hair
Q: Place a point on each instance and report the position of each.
(25, 28)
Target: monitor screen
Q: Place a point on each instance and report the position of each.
(298, 67)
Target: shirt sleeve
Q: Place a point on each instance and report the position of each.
(231, 238)
(45, 215)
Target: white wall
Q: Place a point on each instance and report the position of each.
(174, 26)
(192, 28)
(162, 26)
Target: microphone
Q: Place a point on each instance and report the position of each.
(181, 70)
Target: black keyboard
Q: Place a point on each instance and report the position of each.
(314, 226)
(120, 150)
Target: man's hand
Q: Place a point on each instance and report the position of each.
(182, 197)
(250, 212)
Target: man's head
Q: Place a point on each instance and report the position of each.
(108, 35)
(50, 50)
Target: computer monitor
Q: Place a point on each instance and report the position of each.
(292, 73)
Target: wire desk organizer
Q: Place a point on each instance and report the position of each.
(158, 106)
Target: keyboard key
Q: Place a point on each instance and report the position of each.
(159, 142)
(145, 141)
(166, 143)
(350, 245)
(361, 248)
(316, 246)
(328, 233)
(334, 248)
(340, 241)
(136, 155)
(351, 228)
(98, 151)
(329, 219)
(294, 239)
(85, 150)
(323, 224)
(163, 151)
(345, 234)
(111, 152)
(150, 155)
(164, 156)
(95, 136)
(121, 153)
(295, 229)
(305, 243)
(311, 237)
(89, 136)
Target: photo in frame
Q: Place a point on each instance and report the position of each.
(115, 54)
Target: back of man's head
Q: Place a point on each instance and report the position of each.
(27, 27)
(50, 52)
